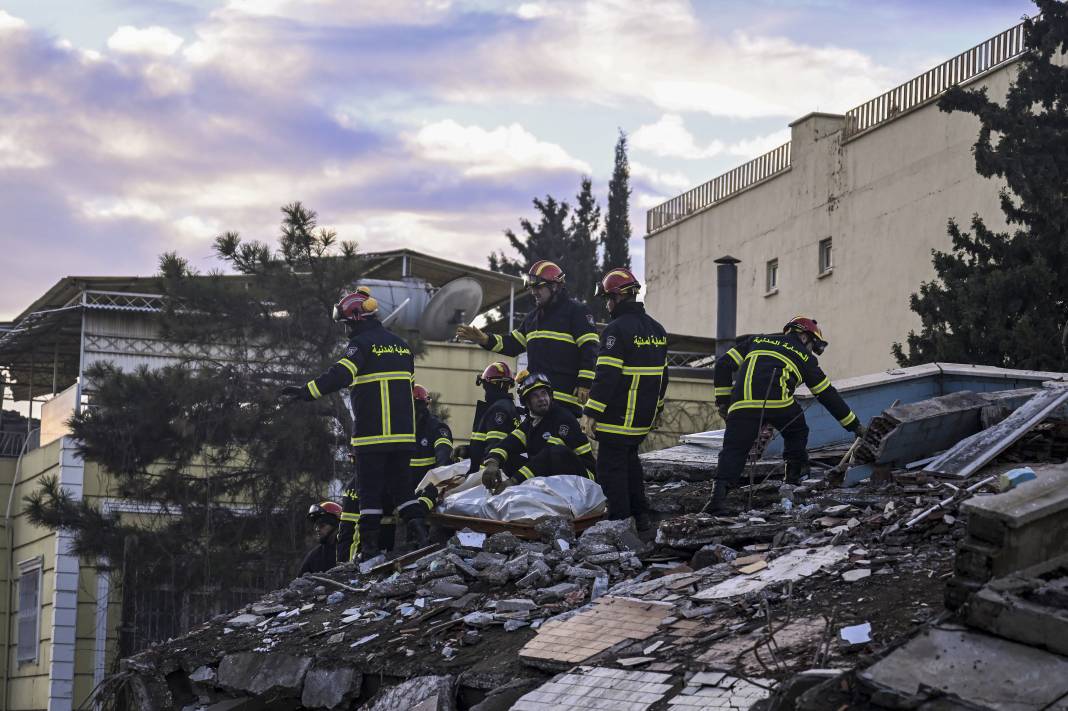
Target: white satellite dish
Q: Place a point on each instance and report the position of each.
(457, 302)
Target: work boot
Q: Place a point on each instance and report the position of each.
(369, 545)
(796, 472)
(418, 534)
(717, 502)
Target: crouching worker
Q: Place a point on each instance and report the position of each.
(550, 436)
(433, 448)
(326, 516)
(770, 367)
(495, 414)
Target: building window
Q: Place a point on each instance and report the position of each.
(29, 596)
(771, 281)
(826, 259)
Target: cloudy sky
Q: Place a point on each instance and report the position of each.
(133, 127)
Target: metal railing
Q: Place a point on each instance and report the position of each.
(980, 59)
(719, 188)
(11, 443)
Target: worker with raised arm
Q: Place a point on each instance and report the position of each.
(558, 336)
(549, 441)
(495, 415)
(627, 395)
(769, 368)
(377, 368)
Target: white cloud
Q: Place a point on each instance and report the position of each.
(124, 208)
(675, 181)
(14, 153)
(194, 229)
(533, 11)
(154, 40)
(10, 23)
(347, 12)
(753, 147)
(669, 138)
(505, 149)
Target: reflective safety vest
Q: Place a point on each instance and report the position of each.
(632, 377)
(433, 446)
(378, 368)
(769, 368)
(534, 434)
(560, 340)
(493, 422)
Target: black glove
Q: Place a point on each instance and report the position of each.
(291, 393)
(491, 478)
(857, 429)
(722, 409)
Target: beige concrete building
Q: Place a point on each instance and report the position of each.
(840, 222)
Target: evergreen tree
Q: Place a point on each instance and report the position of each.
(228, 470)
(616, 236)
(581, 261)
(1001, 298)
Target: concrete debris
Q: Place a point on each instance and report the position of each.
(719, 612)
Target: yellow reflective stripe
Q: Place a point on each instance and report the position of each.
(519, 336)
(587, 338)
(595, 405)
(383, 439)
(588, 374)
(643, 370)
(632, 399)
(747, 384)
(565, 397)
(757, 404)
(350, 366)
(786, 361)
(422, 461)
(350, 517)
(584, 449)
(555, 440)
(609, 360)
(478, 437)
(848, 419)
(501, 452)
(622, 429)
(495, 434)
(498, 344)
(551, 335)
(428, 502)
(385, 376)
(383, 397)
(821, 386)
(520, 435)
(590, 476)
(443, 440)
(525, 471)
(314, 390)
(726, 390)
(735, 355)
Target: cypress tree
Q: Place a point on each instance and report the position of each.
(615, 239)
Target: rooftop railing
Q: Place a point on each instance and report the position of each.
(997, 50)
(719, 188)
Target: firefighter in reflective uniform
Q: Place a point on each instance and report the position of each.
(378, 369)
(769, 368)
(326, 515)
(433, 448)
(627, 395)
(559, 337)
(496, 415)
(549, 436)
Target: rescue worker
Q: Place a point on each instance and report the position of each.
(770, 367)
(326, 515)
(627, 395)
(378, 369)
(495, 415)
(433, 448)
(549, 436)
(559, 337)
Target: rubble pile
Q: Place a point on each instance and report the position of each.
(815, 596)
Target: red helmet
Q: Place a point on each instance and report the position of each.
(496, 373)
(356, 306)
(618, 280)
(803, 324)
(544, 272)
(420, 394)
(325, 509)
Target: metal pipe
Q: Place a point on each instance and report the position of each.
(726, 303)
(511, 308)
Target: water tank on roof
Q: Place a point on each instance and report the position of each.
(391, 293)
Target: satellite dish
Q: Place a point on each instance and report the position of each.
(457, 302)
